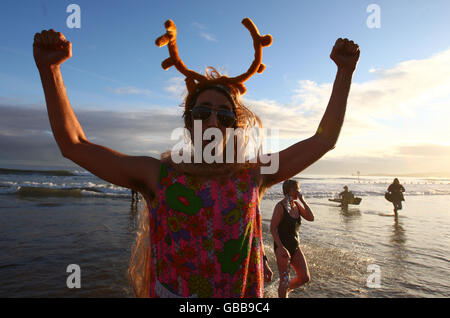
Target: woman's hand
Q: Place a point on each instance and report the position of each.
(51, 48)
(345, 54)
(296, 158)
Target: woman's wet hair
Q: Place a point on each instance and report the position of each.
(288, 185)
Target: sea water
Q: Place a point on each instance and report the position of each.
(51, 219)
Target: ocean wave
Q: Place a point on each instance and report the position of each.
(64, 173)
(73, 189)
(82, 184)
(274, 195)
(82, 173)
(63, 192)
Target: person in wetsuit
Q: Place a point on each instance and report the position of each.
(284, 227)
(396, 194)
(347, 197)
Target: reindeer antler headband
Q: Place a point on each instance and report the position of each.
(193, 79)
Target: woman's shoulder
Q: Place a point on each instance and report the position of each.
(280, 204)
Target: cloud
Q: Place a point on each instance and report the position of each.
(399, 118)
(289, 120)
(405, 89)
(25, 132)
(203, 33)
(14, 51)
(392, 108)
(208, 36)
(176, 86)
(395, 166)
(198, 25)
(392, 90)
(95, 75)
(424, 151)
(131, 90)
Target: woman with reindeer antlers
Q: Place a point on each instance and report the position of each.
(202, 219)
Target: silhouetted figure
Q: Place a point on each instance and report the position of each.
(134, 197)
(346, 197)
(395, 193)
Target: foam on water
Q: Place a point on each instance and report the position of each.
(37, 183)
(311, 186)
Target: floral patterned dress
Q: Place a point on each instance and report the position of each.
(206, 238)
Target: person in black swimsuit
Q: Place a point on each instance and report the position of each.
(284, 227)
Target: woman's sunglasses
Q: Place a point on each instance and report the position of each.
(225, 117)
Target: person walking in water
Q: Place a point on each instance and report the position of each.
(134, 197)
(284, 227)
(204, 222)
(346, 197)
(395, 192)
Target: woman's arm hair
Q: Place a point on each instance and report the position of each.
(296, 158)
(50, 50)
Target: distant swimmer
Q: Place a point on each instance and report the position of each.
(284, 227)
(134, 196)
(395, 195)
(346, 197)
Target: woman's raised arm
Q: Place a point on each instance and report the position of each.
(299, 156)
(50, 50)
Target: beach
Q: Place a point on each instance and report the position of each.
(51, 220)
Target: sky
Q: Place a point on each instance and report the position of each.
(397, 119)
